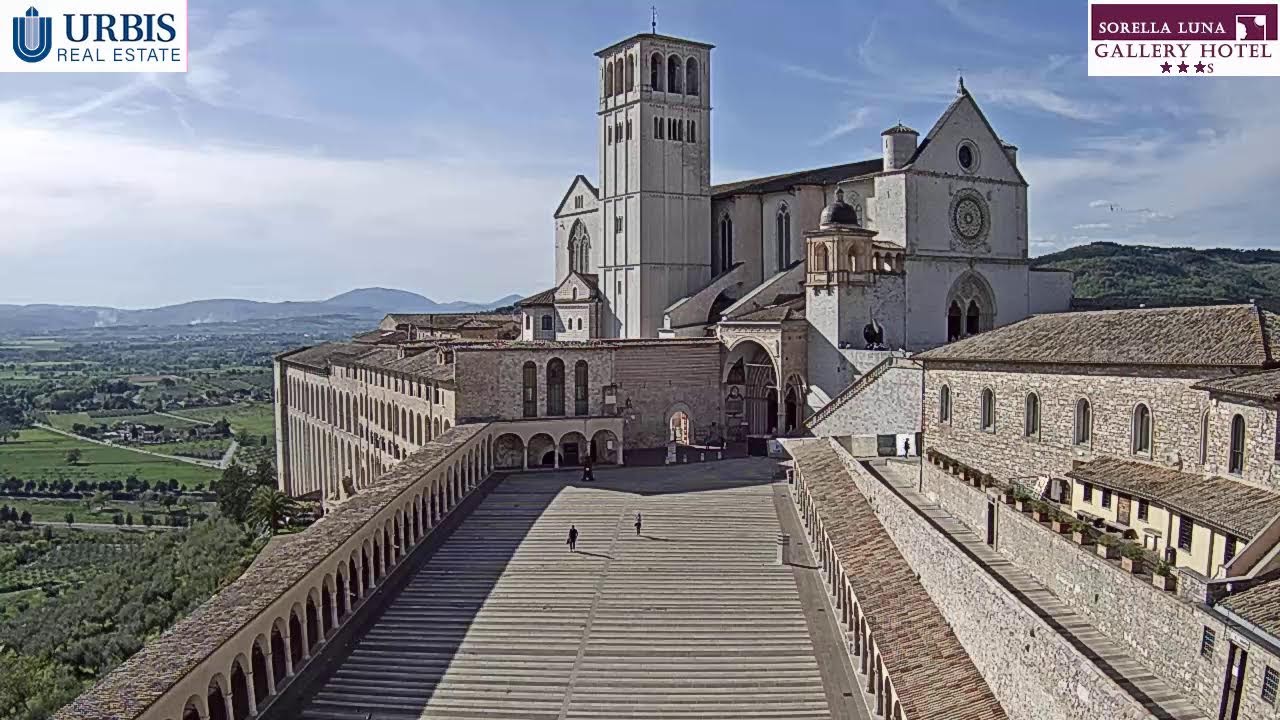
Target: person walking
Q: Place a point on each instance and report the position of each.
(573, 538)
(638, 523)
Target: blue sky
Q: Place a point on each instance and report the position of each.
(319, 146)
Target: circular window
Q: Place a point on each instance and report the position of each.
(967, 156)
(969, 218)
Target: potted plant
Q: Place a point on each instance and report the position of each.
(1022, 499)
(1061, 523)
(1163, 577)
(1131, 558)
(1107, 547)
(1040, 511)
(1080, 533)
(1010, 495)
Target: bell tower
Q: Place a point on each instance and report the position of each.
(655, 179)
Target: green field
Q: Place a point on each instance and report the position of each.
(55, 511)
(65, 421)
(42, 455)
(253, 418)
(201, 449)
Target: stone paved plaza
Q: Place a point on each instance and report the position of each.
(692, 619)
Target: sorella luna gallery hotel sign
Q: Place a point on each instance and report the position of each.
(98, 36)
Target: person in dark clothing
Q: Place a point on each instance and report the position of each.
(638, 523)
(587, 475)
(906, 447)
(573, 538)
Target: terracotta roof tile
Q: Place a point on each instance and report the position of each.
(931, 671)
(1230, 505)
(785, 181)
(1264, 385)
(1259, 605)
(1205, 336)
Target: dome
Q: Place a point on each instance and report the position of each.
(899, 129)
(839, 213)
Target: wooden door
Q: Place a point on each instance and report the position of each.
(1122, 509)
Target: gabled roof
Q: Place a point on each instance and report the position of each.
(548, 297)
(785, 181)
(448, 321)
(579, 178)
(1259, 605)
(652, 36)
(1204, 336)
(1263, 385)
(790, 308)
(961, 97)
(1229, 505)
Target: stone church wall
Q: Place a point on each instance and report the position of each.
(840, 316)
(491, 382)
(1048, 291)
(889, 405)
(1158, 629)
(1035, 673)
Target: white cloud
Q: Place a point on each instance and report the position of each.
(856, 120)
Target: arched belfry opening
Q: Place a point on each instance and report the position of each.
(971, 306)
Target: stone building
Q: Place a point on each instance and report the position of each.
(1151, 433)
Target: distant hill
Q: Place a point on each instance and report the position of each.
(364, 303)
(1112, 275)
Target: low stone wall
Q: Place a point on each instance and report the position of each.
(1033, 670)
(1156, 628)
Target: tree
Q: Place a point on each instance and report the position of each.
(234, 489)
(5, 429)
(70, 518)
(73, 456)
(25, 518)
(148, 520)
(128, 519)
(117, 519)
(271, 508)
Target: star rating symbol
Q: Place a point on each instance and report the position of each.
(1182, 66)
(1200, 67)
(1166, 67)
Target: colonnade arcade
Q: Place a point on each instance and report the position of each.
(296, 595)
(549, 443)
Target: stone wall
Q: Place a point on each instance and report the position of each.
(1007, 452)
(889, 404)
(1033, 671)
(660, 379)
(1159, 629)
(491, 381)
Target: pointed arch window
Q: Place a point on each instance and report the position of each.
(1031, 420)
(1235, 457)
(691, 76)
(530, 389)
(1141, 430)
(555, 387)
(608, 79)
(674, 75)
(631, 73)
(972, 319)
(618, 79)
(655, 72)
(944, 404)
(1084, 423)
(579, 248)
(782, 236)
(726, 242)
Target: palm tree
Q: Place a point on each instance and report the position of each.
(270, 507)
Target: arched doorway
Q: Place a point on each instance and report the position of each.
(751, 391)
(604, 447)
(261, 688)
(239, 692)
(971, 306)
(573, 449)
(678, 428)
(217, 705)
(792, 409)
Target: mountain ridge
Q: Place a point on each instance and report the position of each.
(366, 303)
(1108, 274)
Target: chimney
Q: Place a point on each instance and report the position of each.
(899, 146)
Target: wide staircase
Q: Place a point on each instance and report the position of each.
(690, 619)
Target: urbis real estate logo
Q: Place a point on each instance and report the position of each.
(1183, 39)
(99, 36)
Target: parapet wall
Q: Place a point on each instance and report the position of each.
(1034, 671)
(1159, 629)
